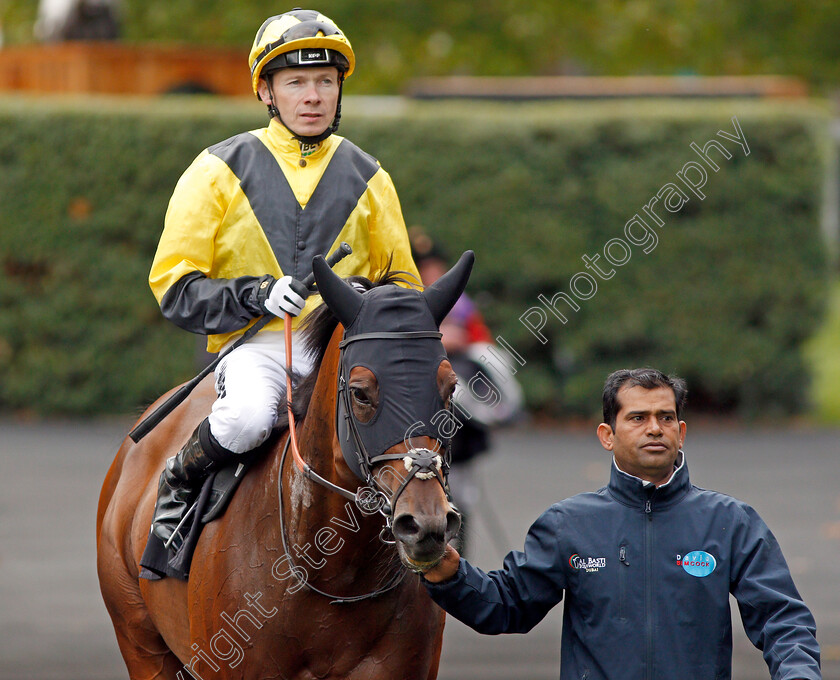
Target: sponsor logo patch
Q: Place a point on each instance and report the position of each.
(308, 149)
(697, 563)
(313, 55)
(589, 564)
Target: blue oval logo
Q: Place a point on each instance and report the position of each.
(699, 563)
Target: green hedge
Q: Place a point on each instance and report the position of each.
(734, 285)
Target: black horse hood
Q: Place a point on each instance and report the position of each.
(394, 333)
(392, 309)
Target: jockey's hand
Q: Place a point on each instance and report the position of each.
(446, 568)
(287, 295)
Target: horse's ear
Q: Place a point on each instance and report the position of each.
(442, 295)
(343, 300)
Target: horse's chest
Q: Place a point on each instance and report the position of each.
(302, 639)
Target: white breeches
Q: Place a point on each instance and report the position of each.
(251, 384)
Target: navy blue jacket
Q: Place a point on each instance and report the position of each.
(647, 574)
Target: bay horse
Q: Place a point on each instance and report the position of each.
(302, 583)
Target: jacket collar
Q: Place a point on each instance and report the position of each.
(282, 139)
(632, 491)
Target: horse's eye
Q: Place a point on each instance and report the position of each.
(449, 394)
(359, 396)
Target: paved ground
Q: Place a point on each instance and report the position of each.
(53, 624)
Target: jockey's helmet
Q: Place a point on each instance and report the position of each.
(300, 37)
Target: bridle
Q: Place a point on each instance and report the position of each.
(422, 463)
(295, 570)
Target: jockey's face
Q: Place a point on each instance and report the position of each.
(306, 97)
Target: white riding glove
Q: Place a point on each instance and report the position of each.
(287, 295)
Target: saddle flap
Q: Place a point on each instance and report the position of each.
(212, 501)
(225, 482)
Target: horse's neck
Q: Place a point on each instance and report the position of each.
(318, 442)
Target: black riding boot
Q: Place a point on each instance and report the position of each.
(181, 479)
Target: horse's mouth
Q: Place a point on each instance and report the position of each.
(418, 566)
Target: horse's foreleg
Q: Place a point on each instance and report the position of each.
(144, 651)
(146, 656)
(437, 647)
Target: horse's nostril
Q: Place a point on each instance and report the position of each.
(406, 528)
(453, 524)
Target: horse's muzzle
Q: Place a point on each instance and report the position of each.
(422, 539)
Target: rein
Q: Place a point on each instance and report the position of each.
(334, 599)
(303, 466)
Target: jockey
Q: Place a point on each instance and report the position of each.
(244, 222)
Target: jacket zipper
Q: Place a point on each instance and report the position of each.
(622, 584)
(649, 588)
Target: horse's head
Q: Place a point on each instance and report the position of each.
(393, 417)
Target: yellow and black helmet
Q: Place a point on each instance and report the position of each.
(301, 37)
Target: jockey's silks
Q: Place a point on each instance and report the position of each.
(253, 206)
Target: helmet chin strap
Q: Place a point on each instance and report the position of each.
(274, 112)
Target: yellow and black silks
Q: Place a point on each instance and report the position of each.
(252, 209)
